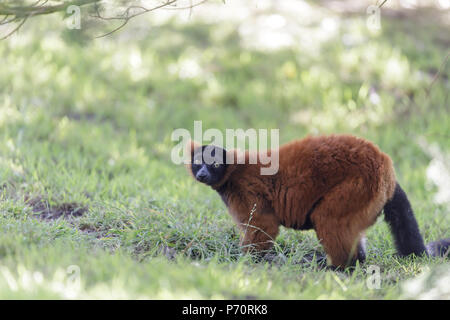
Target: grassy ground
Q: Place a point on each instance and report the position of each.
(92, 207)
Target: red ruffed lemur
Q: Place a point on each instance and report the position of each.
(337, 185)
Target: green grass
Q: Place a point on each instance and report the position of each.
(88, 123)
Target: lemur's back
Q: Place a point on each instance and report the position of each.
(315, 168)
(331, 159)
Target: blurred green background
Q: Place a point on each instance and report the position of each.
(85, 124)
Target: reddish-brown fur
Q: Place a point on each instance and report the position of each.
(335, 184)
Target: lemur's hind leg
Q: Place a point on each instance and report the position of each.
(341, 219)
(343, 247)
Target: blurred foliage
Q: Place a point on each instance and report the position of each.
(89, 121)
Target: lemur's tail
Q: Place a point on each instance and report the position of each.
(400, 217)
(440, 248)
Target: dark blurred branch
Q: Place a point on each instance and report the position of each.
(19, 13)
(381, 4)
(126, 16)
(39, 8)
(438, 73)
(22, 22)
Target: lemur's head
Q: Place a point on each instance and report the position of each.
(208, 164)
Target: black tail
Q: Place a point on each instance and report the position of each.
(400, 217)
(440, 248)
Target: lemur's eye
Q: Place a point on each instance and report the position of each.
(197, 161)
(216, 165)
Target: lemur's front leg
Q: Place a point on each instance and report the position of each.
(259, 232)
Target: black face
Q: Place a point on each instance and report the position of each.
(209, 164)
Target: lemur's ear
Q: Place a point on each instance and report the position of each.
(189, 149)
(190, 146)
